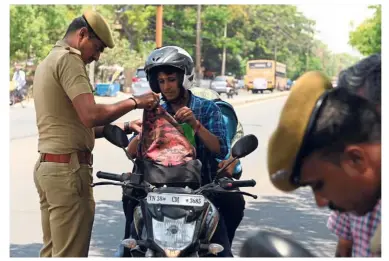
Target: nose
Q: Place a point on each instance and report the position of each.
(162, 85)
(320, 201)
(167, 86)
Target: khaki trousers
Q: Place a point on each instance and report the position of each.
(67, 207)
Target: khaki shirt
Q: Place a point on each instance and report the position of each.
(59, 78)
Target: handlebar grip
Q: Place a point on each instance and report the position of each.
(238, 183)
(110, 176)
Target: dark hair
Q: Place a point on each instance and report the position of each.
(345, 119)
(364, 78)
(79, 23)
(167, 70)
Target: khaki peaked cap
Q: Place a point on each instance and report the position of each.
(100, 26)
(285, 142)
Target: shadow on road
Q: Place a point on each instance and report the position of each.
(108, 228)
(295, 216)
(27, 250)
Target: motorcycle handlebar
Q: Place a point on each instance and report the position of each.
(110, 176)
(226, 184)
(231, 184)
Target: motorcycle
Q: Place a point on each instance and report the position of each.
(17, 96)
(174, 221)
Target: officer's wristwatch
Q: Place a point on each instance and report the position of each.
(127, 128)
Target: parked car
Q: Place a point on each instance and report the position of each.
(140, 75)
(140, 84)
(220, 85)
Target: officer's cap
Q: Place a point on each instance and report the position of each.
(100, 27)
(296, 121)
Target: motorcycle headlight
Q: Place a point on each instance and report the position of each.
(173, 235)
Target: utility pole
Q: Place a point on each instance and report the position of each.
(275, 55)
(198, 45)
(158, 26)
(307, 58)
(275, 43)
(224, 51)
(92, 65)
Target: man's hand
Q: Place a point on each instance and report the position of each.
(186, 115)
(230, 169)
(136, 126)
(147, 101)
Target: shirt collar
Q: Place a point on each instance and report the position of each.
(63, 44)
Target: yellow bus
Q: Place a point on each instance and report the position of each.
(271, 72)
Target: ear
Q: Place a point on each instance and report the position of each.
(355, 160)
(83, 32)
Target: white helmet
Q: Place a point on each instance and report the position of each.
(170, 56)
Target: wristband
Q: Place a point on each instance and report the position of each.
(127, 129)
(136, 104)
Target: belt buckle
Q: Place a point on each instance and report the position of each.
(42, 157)
(91, 159)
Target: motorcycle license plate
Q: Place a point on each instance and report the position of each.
(176, 199)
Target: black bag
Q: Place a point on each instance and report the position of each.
(186, 174)
(166, 157)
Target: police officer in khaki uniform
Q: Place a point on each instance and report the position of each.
(68, 121)
(329, 139)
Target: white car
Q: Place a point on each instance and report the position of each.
(259, 85)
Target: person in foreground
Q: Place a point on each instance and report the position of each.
(170, 71)
(68, 121)
(356, 232)
(328, 139)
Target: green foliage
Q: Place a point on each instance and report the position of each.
(34, 29)
(124, 56)
(253, 32)
(367, 36)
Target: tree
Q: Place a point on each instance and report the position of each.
(367, 36)
(253, 32)
(123, 55)
(34, 29)
(133, 22)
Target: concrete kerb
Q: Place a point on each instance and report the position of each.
(258, 99)
(235, 102)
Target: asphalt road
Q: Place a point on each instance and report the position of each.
(293, 214)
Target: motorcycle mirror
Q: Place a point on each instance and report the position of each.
(244, 146)
(115, 135)
(270, 244)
